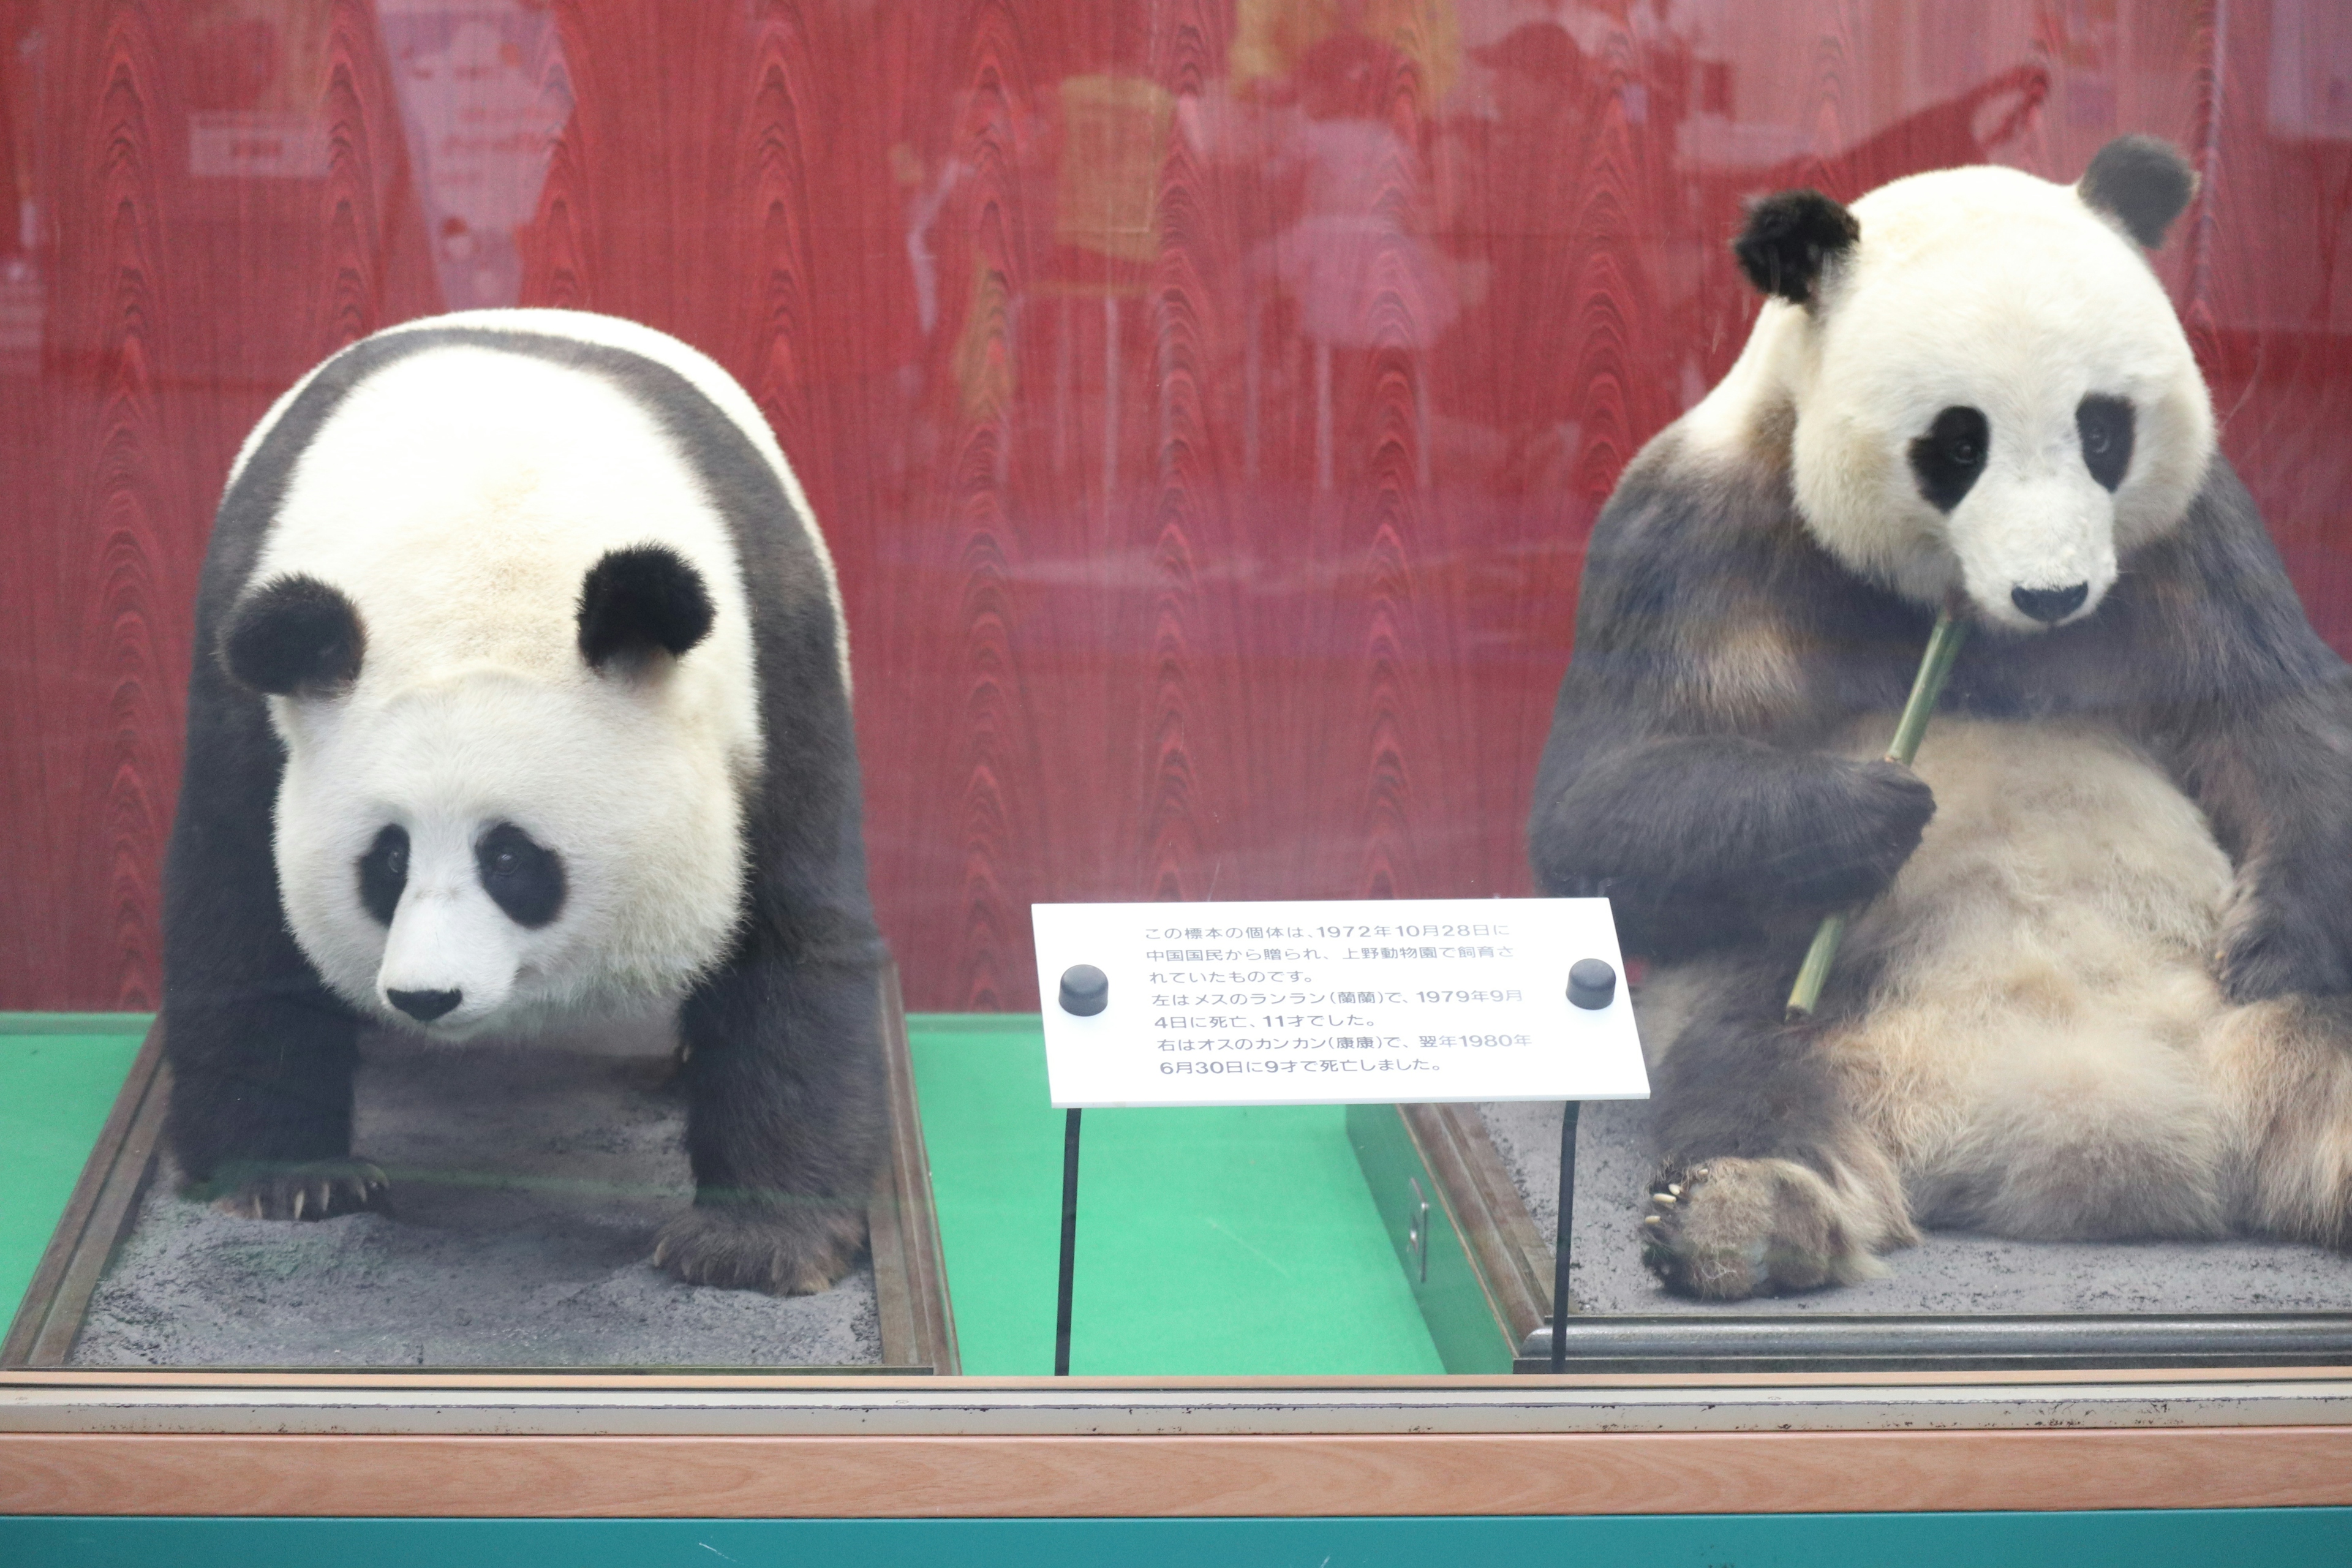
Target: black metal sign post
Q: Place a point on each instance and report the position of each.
(1086, 991)
(1069, 1243)
(1560, 1242)
(1591, 986)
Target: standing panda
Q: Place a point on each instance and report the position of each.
(2095, 985)
(522, 699)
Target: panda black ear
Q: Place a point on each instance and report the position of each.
(1790, 237)
(639, 599)
(2141, 182)
(294, 636)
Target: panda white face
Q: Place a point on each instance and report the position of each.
(508, 649)
(1993, 398)
(493, 856)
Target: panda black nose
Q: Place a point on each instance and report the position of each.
(2050, 605)
(424, 1005)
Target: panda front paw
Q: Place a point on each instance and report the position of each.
(316, 1189)
(783, 1251)
(2276, 942)
(1851, 839)
(1726, 1229)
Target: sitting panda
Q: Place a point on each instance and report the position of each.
(520, 698)
(2094, 984)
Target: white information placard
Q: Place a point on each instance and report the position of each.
(1334, 1002)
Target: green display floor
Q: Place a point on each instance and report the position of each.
(1223, 1242)
(1235, 1242)
(58, 1072)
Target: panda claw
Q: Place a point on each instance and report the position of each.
(314, 1191)
(1665, 1198)
(761, 1249)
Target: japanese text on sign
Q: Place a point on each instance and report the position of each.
(1334, 1003)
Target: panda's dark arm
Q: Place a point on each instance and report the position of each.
(2254, 713)
(1676, 782)
(1699, 839)
(261, 1053)
(787, 1119)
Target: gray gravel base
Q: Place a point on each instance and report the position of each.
(1948, 1272)
(527, 1185)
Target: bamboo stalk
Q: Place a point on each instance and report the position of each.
(1934, 669)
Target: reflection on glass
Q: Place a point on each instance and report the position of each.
(1209, 410)
(483, 95)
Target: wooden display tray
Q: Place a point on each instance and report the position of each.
(910, 1287)
(1481, 1271)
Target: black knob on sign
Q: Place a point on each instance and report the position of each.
(1592, 984)
(1085, 990)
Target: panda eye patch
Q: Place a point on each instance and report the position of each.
(1948, 457)
(522, 875)
(2105, 424)
(384, 873)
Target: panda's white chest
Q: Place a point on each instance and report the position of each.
(2055, 847)
(2043, 962)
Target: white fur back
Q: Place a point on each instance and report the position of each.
(460, 499)
(699, 370)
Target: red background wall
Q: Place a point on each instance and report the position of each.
(1206, 401)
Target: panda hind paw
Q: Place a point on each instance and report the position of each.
(785, 1252)
(1726, 1229)
(316, 1189)
(1689, 1249)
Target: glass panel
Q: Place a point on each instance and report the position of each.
(1210, 412)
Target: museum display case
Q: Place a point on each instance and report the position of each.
(1208, 409)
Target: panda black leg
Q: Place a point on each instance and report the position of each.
(785, 1124)
(260, 1109)
(1768, 1183)
(261, 1054)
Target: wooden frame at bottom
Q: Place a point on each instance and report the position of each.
(1158, 1477)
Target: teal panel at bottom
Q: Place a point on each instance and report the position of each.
(2273, 1538)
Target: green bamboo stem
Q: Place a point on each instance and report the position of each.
(1934, 669)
